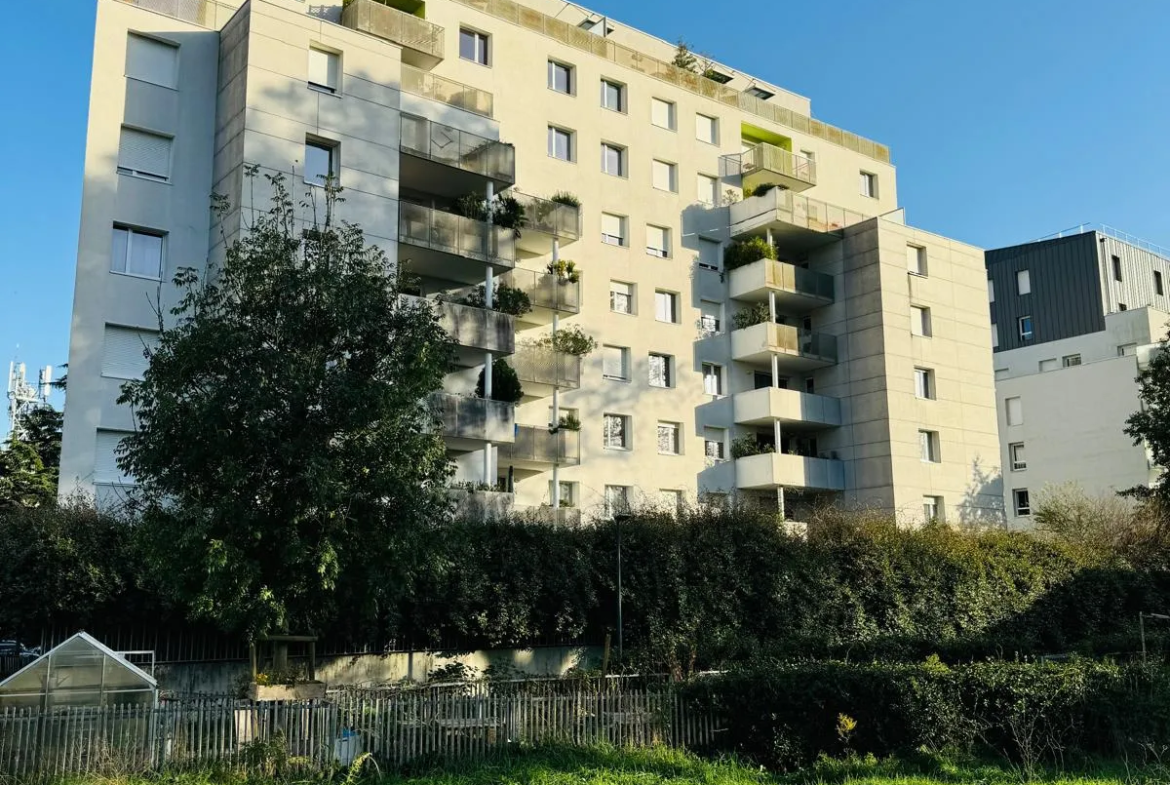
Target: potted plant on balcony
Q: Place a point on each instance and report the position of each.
(566, 198)
(505, 299)
(748, 445)
(565, 270)
(567, 422)
(505, 383)
(505, 211)
(758, 313)
(744, 252)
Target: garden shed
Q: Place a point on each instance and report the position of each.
(81, 671)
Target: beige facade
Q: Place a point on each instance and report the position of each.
(499, 99)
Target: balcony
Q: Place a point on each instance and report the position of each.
(422, 42)
(451, 247)
(446, 161)
(802, 411)
(480, 505)
(777, 470)
(797, 289)
(473, 330)
(767, 164)
(797, 350)
(535, 449)
(545, 221)
(446, 91)
(468, 422)
(796, 222)
(542, 370)
(550, 295)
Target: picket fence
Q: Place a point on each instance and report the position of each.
(394, 727)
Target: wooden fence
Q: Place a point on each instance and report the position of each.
(394, 727)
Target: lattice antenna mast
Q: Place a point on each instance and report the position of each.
(24, 397)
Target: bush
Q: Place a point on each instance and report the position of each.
(570, 340)
(566, 198)
(743, 252)
(757, 313)
(744, 446)
(565, 270)
(505, 384)
(505, 299)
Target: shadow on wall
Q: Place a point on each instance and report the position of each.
(982, 505)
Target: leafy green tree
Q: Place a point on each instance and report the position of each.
(684, 58)
(285, 445)
(42, 429)
(24, 480)
(1151, 425)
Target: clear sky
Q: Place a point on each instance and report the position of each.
(1007, 119)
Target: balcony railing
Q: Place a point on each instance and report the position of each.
(475, 328)
(767, 164)
(454, 234)
(792, 209)
(447, 91)
(463, 417)
(460, 149)
(546, 367)
(753, 281)
(204, 13)
(536, 445)
(547, 290)
(759, 341)
(422, 41)
(771, 470)
(555, 219)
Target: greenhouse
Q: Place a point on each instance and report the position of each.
(79, 672)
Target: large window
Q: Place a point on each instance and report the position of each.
(560, 143)
(613, 159)
(151, 60)
(621, 297)
(665, 175)
(663, 113)
(928, 446)
(560, 77)
(1019, 461)
(615, 363)
(1023, 504)
(616, 431)
(474, 46)
(658, 241)
(661, 370)
(136, 252)
(707, 129)
(613, 229)
(324, 70)
(613, 95)
(666, 306)
(320, 163)
(669, 442)
(712, 379)
(145, 154)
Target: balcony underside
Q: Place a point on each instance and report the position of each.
(431, 176)
(784, 234)
(788, 361)
(793, 181)
(796, 411)
(435, 262)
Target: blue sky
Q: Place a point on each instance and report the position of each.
(1008, 119)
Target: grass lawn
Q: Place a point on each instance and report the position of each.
(663, 766)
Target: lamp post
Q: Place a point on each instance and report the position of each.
(618, 519)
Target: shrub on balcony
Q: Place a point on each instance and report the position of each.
(564, 197)
(759, 190)
(569, 422)
(743, 252)
(565, 270)
(505, 211)
(749, 445)
(506, 299)
(505, 383)
(572, 340)
(756, 314)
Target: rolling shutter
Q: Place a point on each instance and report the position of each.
(105, 459)
(145, 153)
(124, 351)
(152, 61)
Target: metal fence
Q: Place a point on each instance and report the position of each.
(394, 727)
(391, 24)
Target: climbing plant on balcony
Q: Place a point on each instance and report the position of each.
(743, 252)
(505, 383)
(758, 313)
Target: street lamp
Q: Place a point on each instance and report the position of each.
(619, 518)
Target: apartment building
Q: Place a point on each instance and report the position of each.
(1075, 318)
(839, 355)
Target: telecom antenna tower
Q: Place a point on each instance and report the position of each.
(24, 397)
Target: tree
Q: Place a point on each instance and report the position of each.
(1151, 425)
(24, 481)
(684, 58)
(284, 444)
(42, 429)
(506, 385)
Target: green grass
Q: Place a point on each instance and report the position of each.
(664, 766)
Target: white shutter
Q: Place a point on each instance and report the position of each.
(705, 128)
(656, 242)
(105, 457)
(614, 362)
(663, 175)
(709, 253)
(145, 153)
(664, 307)
(914, 259)
(124, 351)
(662, 113)
(1023, 282)
(324, 68)
(1015, 411)
(708, 189)
(613, 227)
(152, 61)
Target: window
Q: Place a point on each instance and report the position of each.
(1048, 365)
(709, 254)
(710, 318)
(661, 370)
(924, 383)
(324, 70)
(1016, 454)
(617, 499)
(473, 46)
(716, 76)
(152, 60)
(920, 320)
(617, 432)
(568, 493)
(707, 189)
(124, 351)
(615, 363)
(613, 229)
(1069, 360)
(1117, 268)
(712, 379)
(670, 499)
(663, 113)
(144, 154)
(668, 438)
(916, 259)
(994, 335)
(665, 175)
(810, 385)
(1126, 349)
(806, 324)
(658, 241)
(560, 143)
(932, 508)
(320, 166)
(621, 297)
(136, 252)
(1014, 409)
(613, 95)
(707, 129)
(1025, 328)
(715, 445)
(990, 290)
(666, 307)
(1023, 505)
(1158, 282)
(105, 464)
(613, 159)
(759, 92)
(560, 77)
(1023, 282)
(869, 185)
(928, 446)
